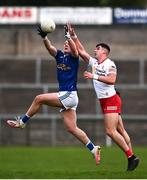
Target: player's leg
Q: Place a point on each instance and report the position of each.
(123, 132)
(111, 124)
(70, 121)
(50, 99)
(70, 118)
(133, 161)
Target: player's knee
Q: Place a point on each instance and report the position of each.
(128, 140)
(71, 130)
(38, 99)
(110, 132)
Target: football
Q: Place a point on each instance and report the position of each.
(48, 25)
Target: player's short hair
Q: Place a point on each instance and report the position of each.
(106, 46)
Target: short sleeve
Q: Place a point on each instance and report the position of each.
(112, 68)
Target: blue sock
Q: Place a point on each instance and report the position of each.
(25, 118)
(90, 145)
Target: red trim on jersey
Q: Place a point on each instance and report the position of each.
(111, 104)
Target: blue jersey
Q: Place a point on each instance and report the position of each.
(67, 70)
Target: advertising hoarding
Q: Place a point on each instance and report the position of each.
(78, 15)
(18, 15)
(130, 16)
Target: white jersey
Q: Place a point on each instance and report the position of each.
(103, 90)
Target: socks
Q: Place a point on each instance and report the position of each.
(129, 153)
(90, 146)
(25, 118)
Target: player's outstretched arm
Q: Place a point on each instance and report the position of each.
(83, 53)
(71, 43)
(110, 79)
(51, 49)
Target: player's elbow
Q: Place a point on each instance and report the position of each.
(111, 80)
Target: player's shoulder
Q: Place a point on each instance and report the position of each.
(59, 53)
(92, 59)
(109, 61)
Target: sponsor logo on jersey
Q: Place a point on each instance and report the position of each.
(63, 67)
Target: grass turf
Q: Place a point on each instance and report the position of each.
(67, 163)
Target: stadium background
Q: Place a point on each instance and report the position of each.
(28, 70)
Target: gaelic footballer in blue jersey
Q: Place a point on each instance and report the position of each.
(66, 98)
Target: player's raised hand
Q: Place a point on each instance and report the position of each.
(65, 29)
(66, 33)
(40, 32)
(71, 30)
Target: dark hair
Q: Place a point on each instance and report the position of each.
(104, 46)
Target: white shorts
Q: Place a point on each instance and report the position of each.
(69, 99)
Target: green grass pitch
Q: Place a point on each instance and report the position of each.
(68, 163)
